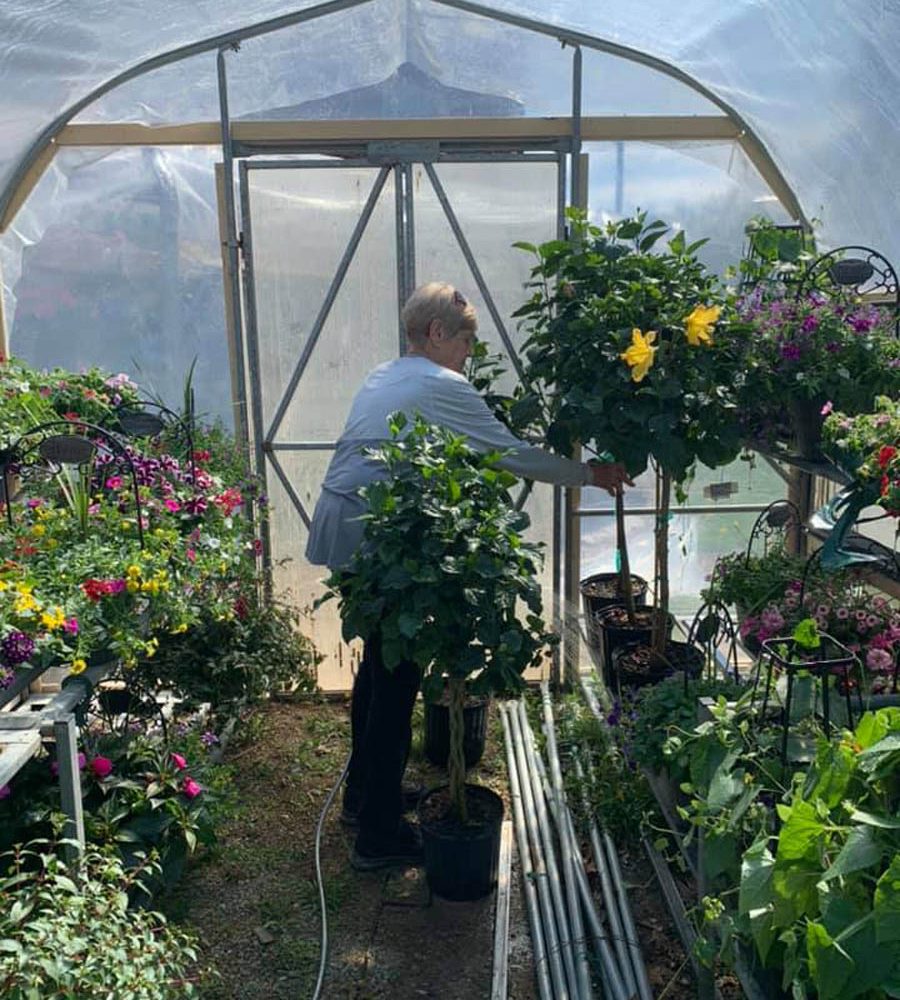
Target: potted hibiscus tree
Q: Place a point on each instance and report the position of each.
(628, 355)
(446, 581)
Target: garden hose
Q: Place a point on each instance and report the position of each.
(320, 883)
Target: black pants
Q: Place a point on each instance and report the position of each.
(381, 723)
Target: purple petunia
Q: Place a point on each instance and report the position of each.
(16, 648)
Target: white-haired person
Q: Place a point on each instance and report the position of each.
(440, 327)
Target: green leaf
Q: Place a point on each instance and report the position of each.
(523, 245)
(806, 634)
(408, 624)
(873, 819)
(887, 904)
(829, 965)
(801, 834)
(861, 850)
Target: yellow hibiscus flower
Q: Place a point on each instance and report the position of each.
(698, 326)
(639, 357)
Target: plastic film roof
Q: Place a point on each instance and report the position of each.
(817, 80)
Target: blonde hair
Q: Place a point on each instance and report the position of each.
(440, 301)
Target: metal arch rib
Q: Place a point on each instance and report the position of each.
(224, 40)
(473, 267)
(757, 150)
(336, 283)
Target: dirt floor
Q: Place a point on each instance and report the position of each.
(255, 905)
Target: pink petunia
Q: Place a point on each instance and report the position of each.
(114, 482)
(879, 661)
(827, 408)
(179, 761)
(190, 788)
(102, 767)
(172, 505)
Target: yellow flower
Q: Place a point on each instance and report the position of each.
(38, 530)
(133, 571)
(132, 585)
(639, 357)
(25, 603)
(3, 586)
(53, 620)
(179, 628)
(78, 666)
(151, 647)
(698, 326)
(24, 588)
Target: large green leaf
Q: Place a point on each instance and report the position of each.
(887, 904)
(860, 850)
(829, 965)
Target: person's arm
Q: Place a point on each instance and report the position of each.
(457, 405)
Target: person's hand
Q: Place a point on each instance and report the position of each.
(609, 476)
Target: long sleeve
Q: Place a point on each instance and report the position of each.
(457, 405)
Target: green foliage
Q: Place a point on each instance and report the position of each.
(229, 662)
(750, 582)
(666, 707)
(443, 578)
(817, 890)
(67, 931)
(139, 795)
(775, 254)
(443, 567)
(590, 292)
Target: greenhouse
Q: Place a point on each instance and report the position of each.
(498, 396)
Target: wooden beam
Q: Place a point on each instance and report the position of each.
(647, 128)
(26, 185)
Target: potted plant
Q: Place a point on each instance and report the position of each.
(807, 355)
(445, 579)
(629, 354)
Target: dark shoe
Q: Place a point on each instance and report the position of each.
(403, 848)
(353, 803)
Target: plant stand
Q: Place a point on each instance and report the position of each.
(828, 658)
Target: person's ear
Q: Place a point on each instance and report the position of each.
(436, 330)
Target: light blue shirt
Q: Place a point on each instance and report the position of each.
(413, 384)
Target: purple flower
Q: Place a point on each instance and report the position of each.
(809, 324)
(790, 352)
(16, 648)
(209, 739)
(5, 791)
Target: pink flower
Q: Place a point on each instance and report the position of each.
(114, 482)
(102, 767)
(192, 555)
(172, 505)
(879, 661)
(827, 408)
(190, 788)
(179, 761)
(71, 626)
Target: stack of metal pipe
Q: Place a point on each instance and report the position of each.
(584, 947)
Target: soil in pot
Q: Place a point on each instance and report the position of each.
(636, 664)
(437, 729)
(614, 630)
(602, 590)
(461, 860)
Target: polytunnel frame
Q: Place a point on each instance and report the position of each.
(40, 153)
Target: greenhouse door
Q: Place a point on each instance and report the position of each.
(331, 250)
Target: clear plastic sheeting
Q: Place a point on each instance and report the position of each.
(115, 261)
(817, 79)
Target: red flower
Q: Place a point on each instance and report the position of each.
(101, 766)
(201, 455)
(885, 455)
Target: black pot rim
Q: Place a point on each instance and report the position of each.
(478, 791)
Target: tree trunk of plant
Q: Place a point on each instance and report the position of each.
(661, 560)
(624, 565)
(456, 761)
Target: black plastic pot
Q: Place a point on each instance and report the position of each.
(600, 590)
(612, 636)
(679, 656)
(437, 731)
(461, 862)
